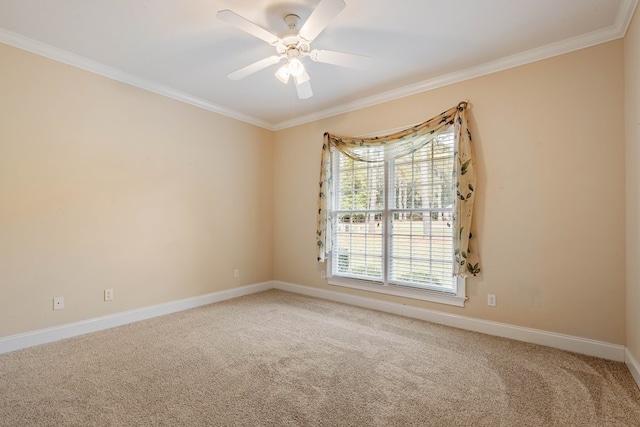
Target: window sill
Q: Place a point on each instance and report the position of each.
(400, 291)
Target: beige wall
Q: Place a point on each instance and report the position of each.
(549, 141)
(632, 120)
(103, 185)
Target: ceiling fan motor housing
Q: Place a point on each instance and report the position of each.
(291, 45)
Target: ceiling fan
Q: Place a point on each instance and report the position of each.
(294, 44)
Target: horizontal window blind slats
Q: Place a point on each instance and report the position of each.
(413, 221)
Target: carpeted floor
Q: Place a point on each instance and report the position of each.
(280, 359)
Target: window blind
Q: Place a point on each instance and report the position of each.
(393, 218)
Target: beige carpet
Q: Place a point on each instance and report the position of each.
(280, 359)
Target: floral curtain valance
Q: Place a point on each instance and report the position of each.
(401, 144)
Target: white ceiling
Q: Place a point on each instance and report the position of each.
(178, 48)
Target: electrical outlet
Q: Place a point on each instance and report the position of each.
(236, 273)
(108, 294)
(58, 303)
(491, 300)
(323, 274)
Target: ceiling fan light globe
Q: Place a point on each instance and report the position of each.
(296, 68)
(283, 73)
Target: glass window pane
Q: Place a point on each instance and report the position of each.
(358, 244)
(421, 198)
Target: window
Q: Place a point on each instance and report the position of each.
(392, 222)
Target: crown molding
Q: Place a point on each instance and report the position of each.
(625, 15)
(66, 57)
(615, 31)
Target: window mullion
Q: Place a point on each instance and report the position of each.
(386, 235)
(413, 205)
(431, 200)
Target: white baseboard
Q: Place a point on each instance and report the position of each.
(535, 336)
(551, 339)
(633, 366)
(42, 336)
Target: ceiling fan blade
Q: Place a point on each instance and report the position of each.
(304, 77)
(320, 18)
(247, 26)
(350, 60)
(252, 68)
(304, 89)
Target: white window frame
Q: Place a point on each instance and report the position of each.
(458, 299)
(396, 289)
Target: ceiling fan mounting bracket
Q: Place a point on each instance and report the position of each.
(292, 20)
